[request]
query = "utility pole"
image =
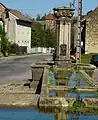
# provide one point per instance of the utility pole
(78, 51)
(0, 45)
(69, 39)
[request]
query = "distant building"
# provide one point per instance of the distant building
(17, 26)
(50, 21)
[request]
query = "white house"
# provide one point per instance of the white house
(17, 26)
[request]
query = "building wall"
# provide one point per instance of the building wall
(10, 28)
(50, 24)
(18, 33)
(23, 35)
(91, 43)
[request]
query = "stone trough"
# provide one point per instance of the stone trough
(35, 92)
(46, 101)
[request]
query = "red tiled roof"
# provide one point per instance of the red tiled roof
(20, 15)
(50, 17)
(17, 13)
(2, 9)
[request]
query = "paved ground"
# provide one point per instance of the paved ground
(18, 68)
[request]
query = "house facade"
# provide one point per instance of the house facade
(17, 26)
(90, 31)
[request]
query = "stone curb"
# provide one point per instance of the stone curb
(15, 57)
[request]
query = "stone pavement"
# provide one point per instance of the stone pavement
(19, 68)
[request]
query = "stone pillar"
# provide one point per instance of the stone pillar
(64, 15)
(65, 36)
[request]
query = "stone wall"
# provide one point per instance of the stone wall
(15, 94)
(87, 68)
(53, 102)
(20, 100)
(91, 102)
(91, 43)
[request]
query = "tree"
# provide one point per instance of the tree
(42, 37)
(50, 38)
(38, 18)
(37, 35)
(14, 48)
(5, 44)
(43, 17)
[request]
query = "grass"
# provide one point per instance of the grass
(85, 58)
(86, 110)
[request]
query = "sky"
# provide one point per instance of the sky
(34, 7)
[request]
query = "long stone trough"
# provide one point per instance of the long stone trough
(46, 101)
(35, 92)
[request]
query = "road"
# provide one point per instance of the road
(18, 68)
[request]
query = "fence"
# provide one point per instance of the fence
(39, 50)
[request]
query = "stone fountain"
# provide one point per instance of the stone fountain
(63, 17)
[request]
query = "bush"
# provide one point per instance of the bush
(5, 44)
(14, 48)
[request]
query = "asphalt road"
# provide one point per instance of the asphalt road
(19, 68)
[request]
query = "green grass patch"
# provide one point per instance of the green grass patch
(86, 110)
(52, 69)
(85, 58)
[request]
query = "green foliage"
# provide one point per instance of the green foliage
(43, 17)
(51, 69)
(50, 38)
(5, 44)
(85, 58)
(74, 20)
(14, 48)
(78, 104)
(38, 17)
(73, 89)
(37, 35)
(41, 37)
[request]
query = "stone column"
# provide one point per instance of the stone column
(65, 36)
(64, 15)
